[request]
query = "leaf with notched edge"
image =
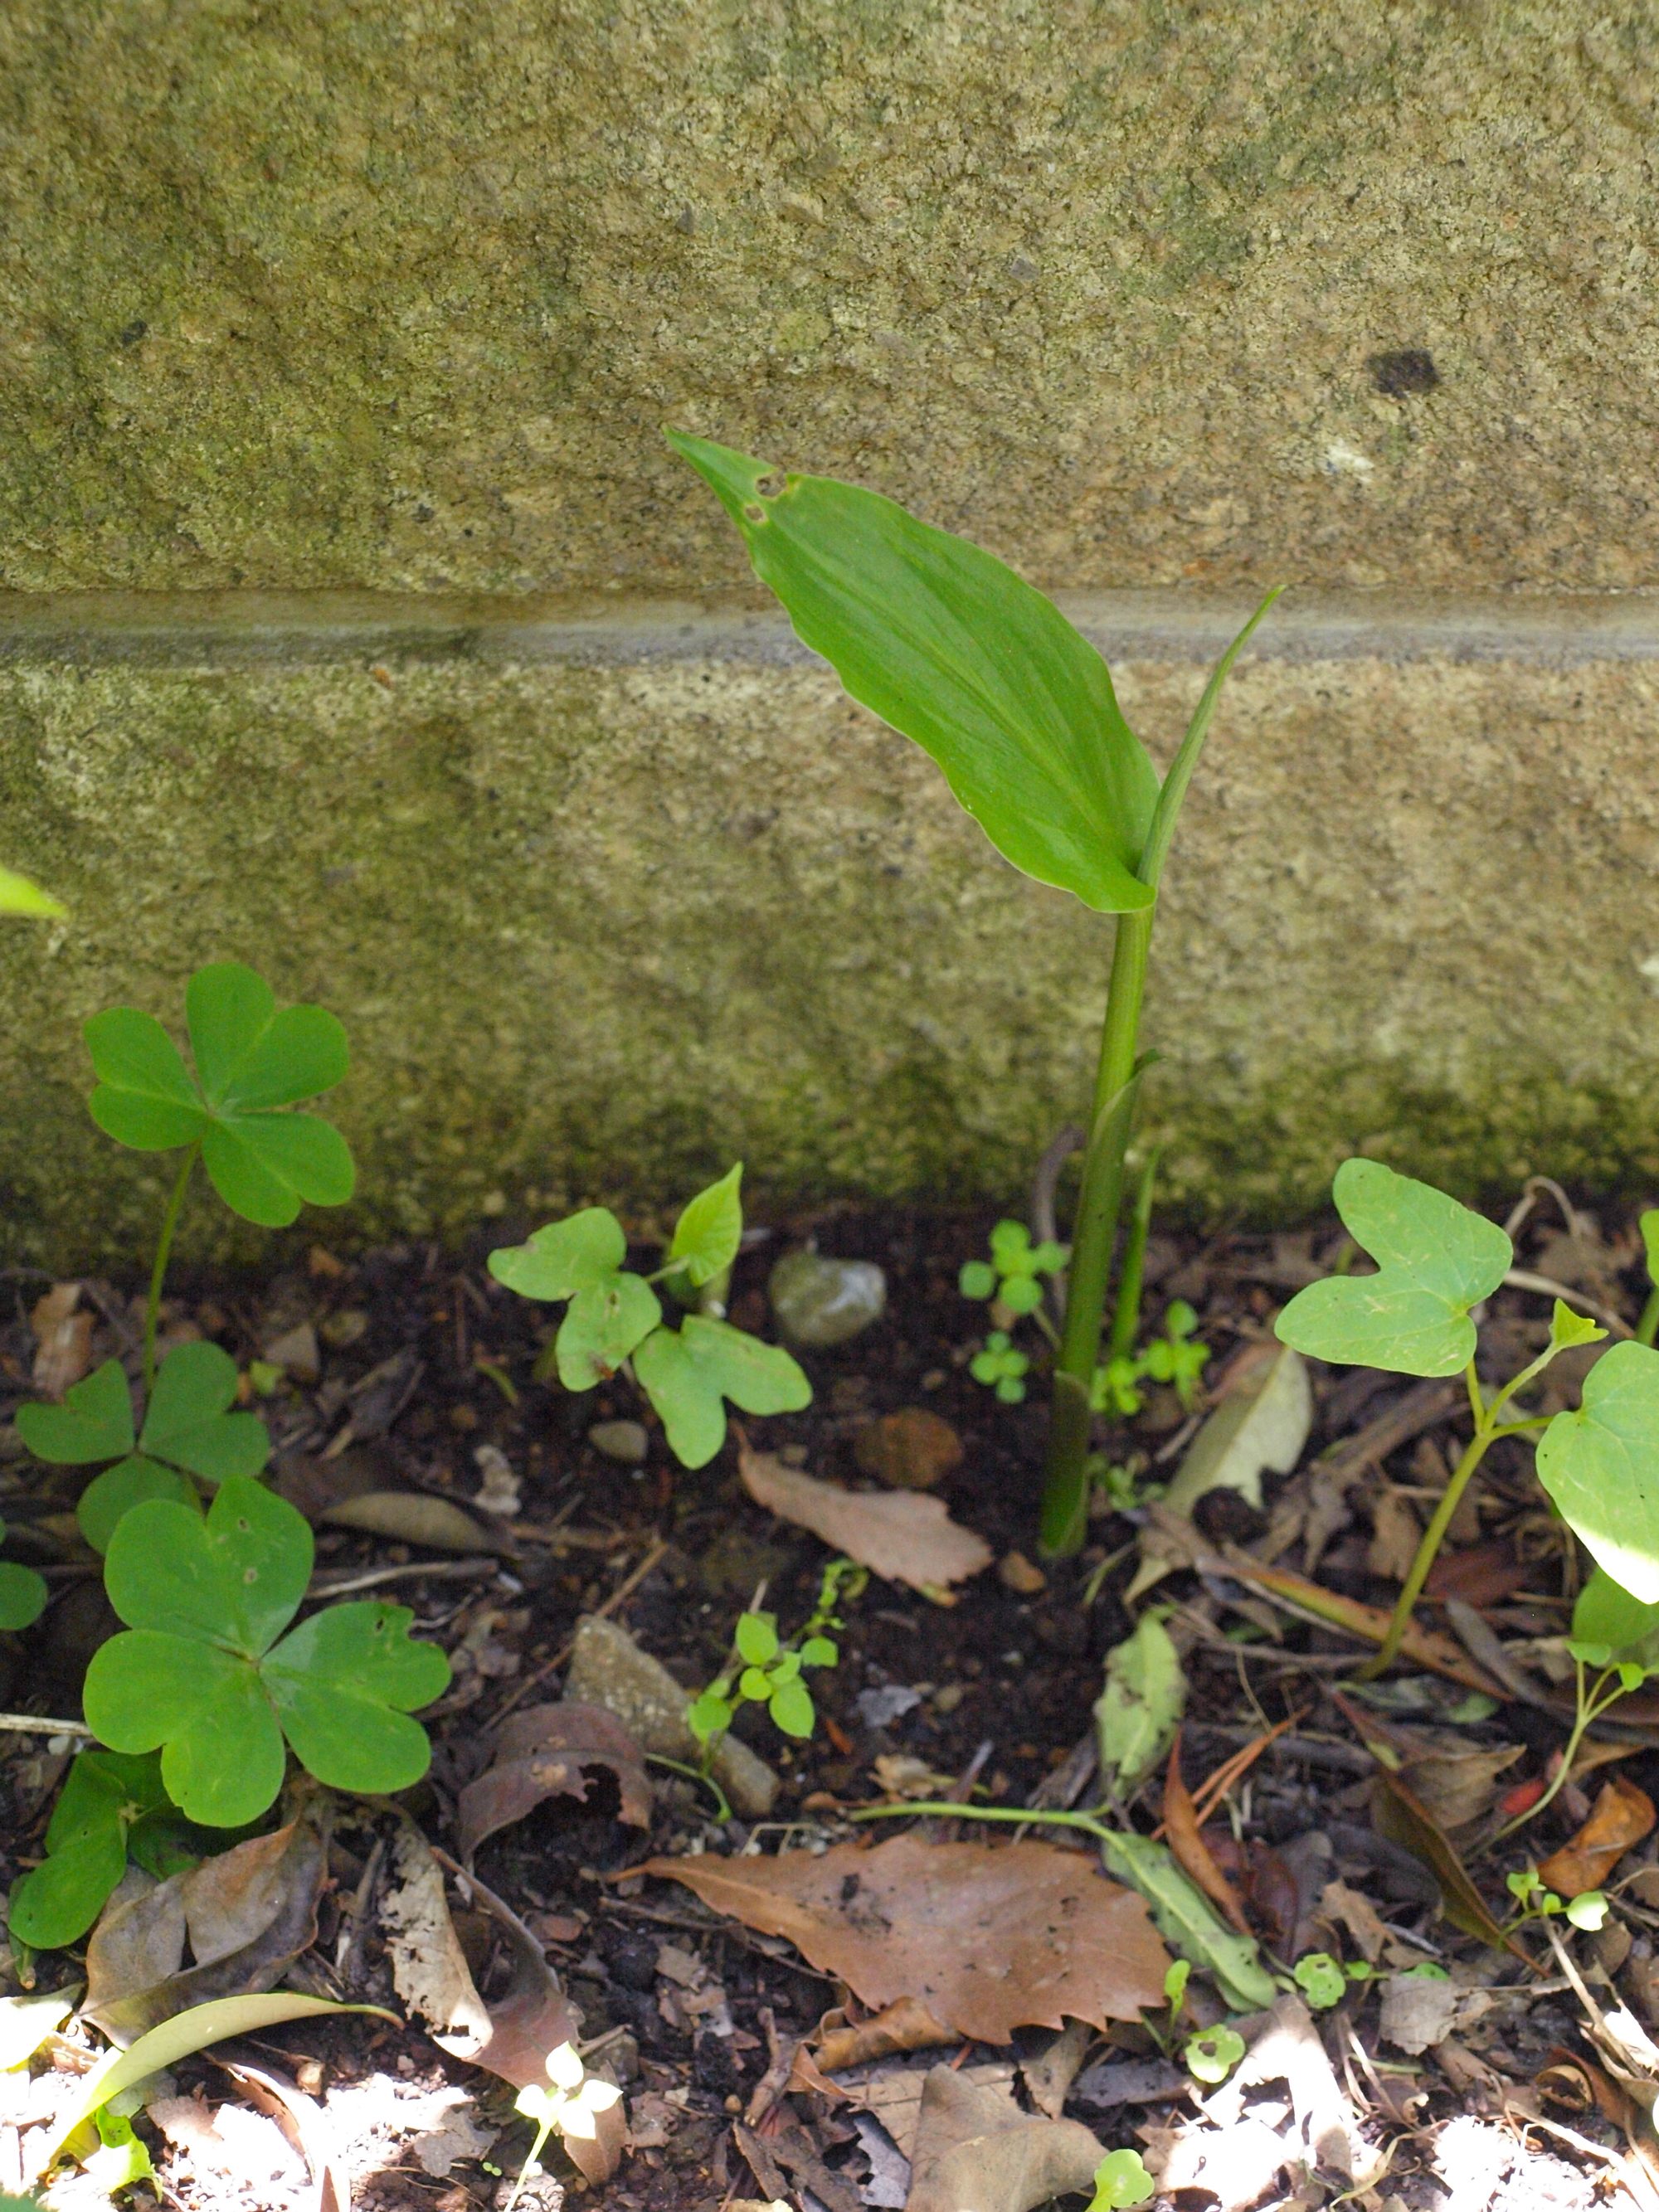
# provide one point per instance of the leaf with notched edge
(550, 1751)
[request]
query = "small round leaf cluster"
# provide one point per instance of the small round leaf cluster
(1002, 1367)
(1013, 1273)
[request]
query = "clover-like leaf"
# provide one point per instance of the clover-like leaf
(252, 1059)
(188, 1423)
(1121, 2180)
(95, 1421)
(1589, 1910)
(977, 1279)
(1601, 1466)
(602, 1324)
(1608, 1624)
(708, 1716)
(22, 1593)
(130, 1482)
(1435, 1260)
(1214, 2052)
(104, 1796)
(708, 1232)
(195, 1674)
(1320, 1979)
(579, 1254)
(687, 1375)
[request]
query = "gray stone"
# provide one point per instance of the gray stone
(608, 1668)
(626, 1441)
(820, 1301)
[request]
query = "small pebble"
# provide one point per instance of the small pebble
(1015, 1572)
(821, 1302)
(625, 1442)
(344, 1328)
(911, 1449)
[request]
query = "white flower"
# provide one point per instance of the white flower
(574, 2101)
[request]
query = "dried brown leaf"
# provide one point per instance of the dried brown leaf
(63, 1337)
(905, 2026)
(904, 1535)
(1399, 1816)
(1623, 1815)
(989, 1939)
(1395, 1535)
(407, 1516)
(975, 2151)
(1459, 1787)
(246, 1914)
(551, 1751)
(1192, 1854)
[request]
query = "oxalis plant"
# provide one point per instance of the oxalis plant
(202, 1696)
(614, 1323)
(952, 649)
(1436, 1262)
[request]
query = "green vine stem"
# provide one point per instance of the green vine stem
(722, 1804)
(158, 1273)
(1589, 1710)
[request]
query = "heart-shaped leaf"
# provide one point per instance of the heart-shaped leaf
(196, 1674)
(1601, 1466)
(601, 1327)
(23, 1592)
(95, 1421)
(104, 1796)
(579, 1253)
(188, 1425)
(1435, 1260)
(688, 1374)
(955, 651)
(130, 1482)
(252, 1060)
(708, 1232)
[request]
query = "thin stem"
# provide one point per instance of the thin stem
(1065, 1497)
(543, 2131)
(1648, 1328)
(1432, 1536)
(1589, 1711)
(696, 1774)
(1125, 1313)
(158, 1274)
(1023, 1816)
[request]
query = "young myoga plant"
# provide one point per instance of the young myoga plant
(613, 1320)
(202, 1696)
(1436, 1262)
(954, 650)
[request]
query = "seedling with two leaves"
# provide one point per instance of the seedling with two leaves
(1534, 1900)
(1436, 1262)
(764, 1670)
(613, 1320)
(952, 649)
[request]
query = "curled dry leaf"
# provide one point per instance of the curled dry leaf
(975, 2151)
(906, 2025)
(1621, 1816)
(246, 1914)
(904, 1535)
(63, 1337)
(1186, 1843)
(550, 1751)
(1399, 1816)
(1262, 1421)
(989, 1940)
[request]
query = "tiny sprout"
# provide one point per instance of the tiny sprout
(1425, 1970)
(764, 1670)
(1174, 1984)
(1011, 1273)
(1214, 2052)
(1120, 2179)
(1320, 1979)
(1174, 1356)
(1588, 1910)
(572, 2105)
(999, 1364)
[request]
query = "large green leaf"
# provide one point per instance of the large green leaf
(1435, 1260)
(687, 1375)
(104, 1794)
(95, 1421)
(1600, 1465)
(194, 1673)
(954, 650)
(252, 1060)
(708, 1232)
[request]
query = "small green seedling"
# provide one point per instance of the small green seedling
(103, 1805)
(23, 1592)
(1016, 708)
(1001, 1367)
(1324, 1980)
(765, 1671)
(1120, 2181)
(1588, 1910)
(613, 1320)
(189, 1431)
(1012, 1276)
(252, 1061)
(1437, 1260)
(1213, 2053)
(570, 2106)
(20, 897)
(200, 1673)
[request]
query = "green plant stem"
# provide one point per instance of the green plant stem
(1065, 1497)
(696, 1774)
(1020, 1816)
(1648, 1328)
(158, 1273)
(543, 2131)
(1589, 1711)
(1125, 1312)
(1487, 1430)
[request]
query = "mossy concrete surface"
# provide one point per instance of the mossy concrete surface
(597, 928)
(396, 292)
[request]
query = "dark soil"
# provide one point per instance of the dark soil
(1008, 1675)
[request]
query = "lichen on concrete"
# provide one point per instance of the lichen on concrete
(348, 292)
(599, 931)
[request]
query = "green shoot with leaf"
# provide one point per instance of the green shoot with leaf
(1121, 2180)
(764, 1670)
(252, 1061)
(613, 1320)
(955, 651)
